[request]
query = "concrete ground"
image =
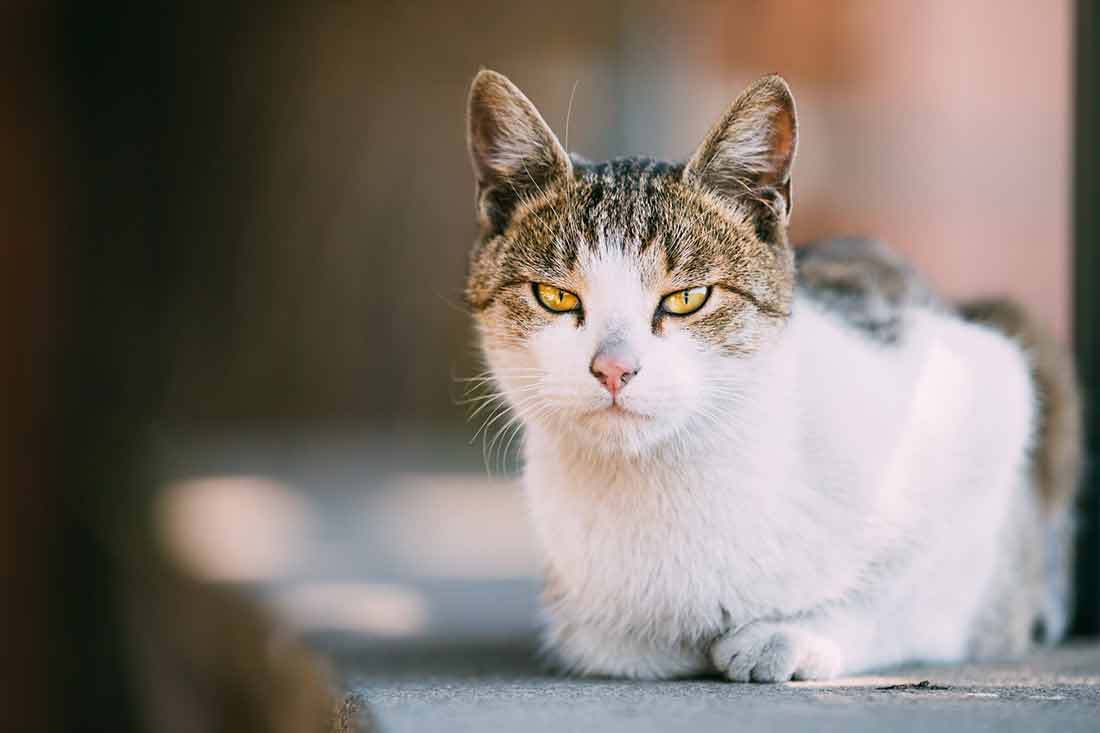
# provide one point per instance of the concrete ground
(500, 687)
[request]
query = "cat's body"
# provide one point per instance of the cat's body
(801, 476)
(867, 486)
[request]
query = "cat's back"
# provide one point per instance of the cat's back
(902, 366)
(1020, 374)
(863, 283)
(873, 292)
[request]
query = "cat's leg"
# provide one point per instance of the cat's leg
(847, 638)
(587, 650)
(766, 651)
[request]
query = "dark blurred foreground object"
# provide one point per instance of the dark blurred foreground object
(1086, 291)
(102, 153)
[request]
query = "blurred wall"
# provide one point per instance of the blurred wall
(337, 166)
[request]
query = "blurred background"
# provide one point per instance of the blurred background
(252, 227)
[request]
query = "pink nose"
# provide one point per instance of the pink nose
(613, 370)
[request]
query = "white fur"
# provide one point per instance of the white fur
(825, 506)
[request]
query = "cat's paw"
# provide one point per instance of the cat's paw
(770, 652)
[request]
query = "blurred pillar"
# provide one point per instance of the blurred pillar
(29, 227)
(1086, 326)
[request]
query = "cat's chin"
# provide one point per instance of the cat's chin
(617, 429)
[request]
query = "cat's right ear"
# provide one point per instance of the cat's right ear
(514, 152)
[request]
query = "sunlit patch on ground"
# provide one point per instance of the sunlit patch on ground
(235, 528)
(375, 609)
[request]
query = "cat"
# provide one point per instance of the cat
(743, 461)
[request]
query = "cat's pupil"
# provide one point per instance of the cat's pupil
(685, 297)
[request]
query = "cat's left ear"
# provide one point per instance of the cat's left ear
(748, 155)
(514, 152)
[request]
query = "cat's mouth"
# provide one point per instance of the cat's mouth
(616, 410)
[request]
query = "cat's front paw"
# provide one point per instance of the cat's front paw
(770, 652)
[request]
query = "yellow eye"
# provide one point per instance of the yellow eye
(683, 302)
(556, 299)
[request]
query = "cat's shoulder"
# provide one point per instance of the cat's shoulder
(864, 283)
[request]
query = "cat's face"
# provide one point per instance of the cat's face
(621, 304)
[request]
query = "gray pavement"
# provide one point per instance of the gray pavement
(499, 686)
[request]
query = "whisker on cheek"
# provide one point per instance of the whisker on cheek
(511, 428)
(499, 412)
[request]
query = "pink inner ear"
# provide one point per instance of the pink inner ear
(782, 145)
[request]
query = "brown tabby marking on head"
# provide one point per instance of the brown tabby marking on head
(680, 236)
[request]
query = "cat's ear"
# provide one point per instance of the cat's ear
(514, 152)
(748, 155)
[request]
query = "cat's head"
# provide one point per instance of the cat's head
(623, 303)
